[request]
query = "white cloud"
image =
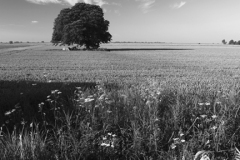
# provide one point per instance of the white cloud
(34, 22)
(178, 5)
(43, 1)
(100, 2)
(70, 2)
(146, 5)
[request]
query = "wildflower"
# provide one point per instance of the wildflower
(218, 102)
(175, 139)
(31, 125)
(214, 127)
(78, 88)
(103, 144)
(34, 84)
(181, 134)
(214, 116)
(173, 146)
(49, 81)
(207, 104)
(21, 93)
(96, 106)
(88, 100)
(104, 138)
(156, 120)
(203, 116)
(48, 96)
(108, 111)
(200, 104)
(114, 135)
(7, 113)
(59, 92)
(183, 140)
(109, 134)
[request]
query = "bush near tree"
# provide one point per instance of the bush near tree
(83, 24)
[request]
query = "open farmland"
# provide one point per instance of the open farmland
(7, 46)
(170, 104)
(210, 63)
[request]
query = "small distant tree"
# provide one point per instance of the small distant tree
(83, 24)
(10, 42)
(224, 41)
(42, 41)
(231, 42)
(238, 43)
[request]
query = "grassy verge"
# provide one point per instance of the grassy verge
(151, 120)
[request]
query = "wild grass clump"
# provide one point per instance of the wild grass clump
(151, 120)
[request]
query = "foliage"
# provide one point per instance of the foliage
(83, 24)
(10, 42)
(145, 121)
(224, 41)
(234, 42)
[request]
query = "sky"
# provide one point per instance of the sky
(175, 21)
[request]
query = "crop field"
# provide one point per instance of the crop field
(179, 101)
(210, 63)
(7, 46)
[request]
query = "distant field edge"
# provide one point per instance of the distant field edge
(125, 49)
(141, 49)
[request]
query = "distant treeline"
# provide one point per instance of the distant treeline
(231, 42)
(134, 42)
(11, 42)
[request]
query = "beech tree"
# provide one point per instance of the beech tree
(83, 24)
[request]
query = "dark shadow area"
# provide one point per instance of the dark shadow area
(143, 49)
(123, 49)
(25, 96)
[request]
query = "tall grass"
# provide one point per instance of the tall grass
(151, 120)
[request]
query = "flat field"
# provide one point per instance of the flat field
(217, 63)
(169, 102)
(16, 45)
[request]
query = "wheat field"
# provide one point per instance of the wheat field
(180, 101)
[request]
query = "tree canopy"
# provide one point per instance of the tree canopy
(83, 24)
(224, 41)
